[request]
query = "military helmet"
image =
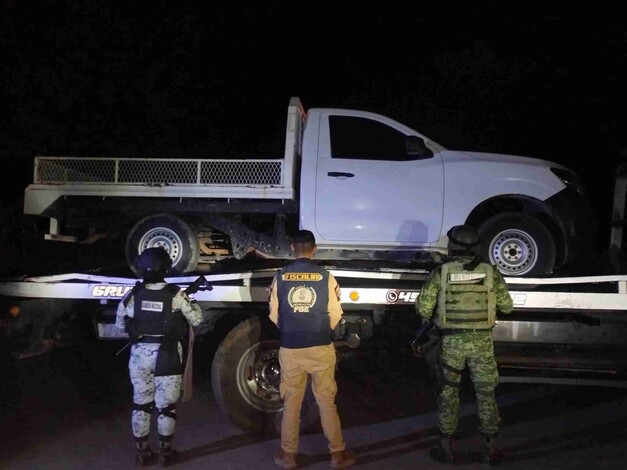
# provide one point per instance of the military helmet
(462, 238)
(154, 259)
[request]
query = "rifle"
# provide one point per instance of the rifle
(428, 344)
(422, 336)
(198, 284)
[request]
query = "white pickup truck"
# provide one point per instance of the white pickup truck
(367, 186)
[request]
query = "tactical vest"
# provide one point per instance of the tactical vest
(467, 299)
(303, 292)
(153, 315)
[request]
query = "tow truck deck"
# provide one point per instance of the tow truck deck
(562, 330)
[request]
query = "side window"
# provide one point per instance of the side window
(365, 139)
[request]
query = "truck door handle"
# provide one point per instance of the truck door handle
(340, 173)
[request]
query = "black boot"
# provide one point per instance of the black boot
(167, 455)
(145, 456)
(443, 452)
(489, 453)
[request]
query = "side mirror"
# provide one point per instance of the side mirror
(415, 146)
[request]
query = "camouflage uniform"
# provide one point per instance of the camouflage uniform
(148, 389)
(466, 303)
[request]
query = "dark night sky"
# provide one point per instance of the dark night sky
(167, 79)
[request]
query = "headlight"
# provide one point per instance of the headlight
(570, 179)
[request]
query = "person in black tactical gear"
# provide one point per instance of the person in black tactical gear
(156, 315)
(466, 293)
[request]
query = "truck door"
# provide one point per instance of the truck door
(368, 189)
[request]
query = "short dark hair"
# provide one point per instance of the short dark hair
(304, 237)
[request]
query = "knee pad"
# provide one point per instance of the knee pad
(169, 411)
(146, 407)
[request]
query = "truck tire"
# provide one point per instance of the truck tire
(245, 377)
(170, 232)
(518, 244)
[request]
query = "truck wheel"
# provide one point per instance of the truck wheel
(170, 232)
(518, 244)
(245, 377)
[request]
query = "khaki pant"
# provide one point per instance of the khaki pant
(319, 362)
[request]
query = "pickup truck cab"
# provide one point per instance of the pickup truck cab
(367, 186)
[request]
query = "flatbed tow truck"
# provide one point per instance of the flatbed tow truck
(569, 330)
(563, 330)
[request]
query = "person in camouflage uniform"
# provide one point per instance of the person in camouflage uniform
(156, 315)
(465, 293)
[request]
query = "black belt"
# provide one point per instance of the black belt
(457, 331)
(150, 339)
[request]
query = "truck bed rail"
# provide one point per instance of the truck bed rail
(156, 171)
